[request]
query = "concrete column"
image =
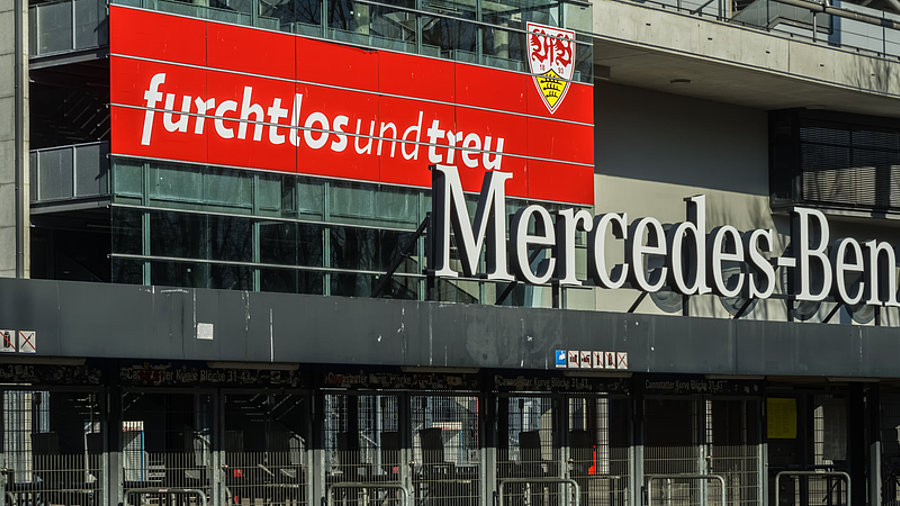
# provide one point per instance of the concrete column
(14, 138)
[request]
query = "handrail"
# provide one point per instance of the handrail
(683, 476)
(703, 6)
(366, 484)
(834, 474)
(565, 481)
(171, 490)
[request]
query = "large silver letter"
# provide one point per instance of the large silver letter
(804, 252)
(568, 221)
(521, 239)
(696, 270)
(882, 274)
(448, 206)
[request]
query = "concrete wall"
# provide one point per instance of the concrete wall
(654, 149)
(705, 39)
(8, 136)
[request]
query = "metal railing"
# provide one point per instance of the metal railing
(193, 492)
(501, 486)
(834, 23)
(818, 474)
(329, 494)
(70, 172)
(649, 478)
(68, 25)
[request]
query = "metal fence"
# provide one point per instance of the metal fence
(53, 463)
(379, 448)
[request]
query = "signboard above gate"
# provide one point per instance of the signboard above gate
(204, 92)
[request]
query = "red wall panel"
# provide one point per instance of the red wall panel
(336, 96)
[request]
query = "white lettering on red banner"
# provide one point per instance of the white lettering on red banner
(225, 95)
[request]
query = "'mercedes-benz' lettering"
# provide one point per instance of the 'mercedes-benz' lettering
(685, 258)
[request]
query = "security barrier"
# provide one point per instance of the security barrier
(366, 488)
(548, 481)
(829, 491)
(650, 478)
(171, 495)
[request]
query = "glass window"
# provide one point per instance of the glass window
(392, 28)
(169, 182)
(367, 285)
(230, 277)
(290, 243)
(397, 204)
(517, 13)
(177, 234)
(311, 198)
(276, 195)
(127, 271)
(126, 231)
(348, 19)
(454, 38)
(296, 16)
(227, 188)
(465, 292)
(352, 200)
(127, 177)
(372, 249)
(290, 281)
(183, 274)
(230, 238)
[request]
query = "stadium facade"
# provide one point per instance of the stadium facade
(450, 252)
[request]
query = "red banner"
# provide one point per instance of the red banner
(205, 92)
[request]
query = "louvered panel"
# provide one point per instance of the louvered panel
(867, 187)
(876, 139)
(875, 176)
(895, 186)
(832, 186)
(816, 157)
(825, 135)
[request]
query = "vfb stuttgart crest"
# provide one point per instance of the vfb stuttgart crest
(551, 56)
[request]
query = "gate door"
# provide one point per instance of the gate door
(598, 449)
(447, 466)
(166, 442)
(53, 444)
(528, 454)
(266, 442)
(362, 449)
(733, 434)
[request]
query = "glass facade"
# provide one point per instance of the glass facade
(471, 31)
(208, 227)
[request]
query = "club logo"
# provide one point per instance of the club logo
(551, 57)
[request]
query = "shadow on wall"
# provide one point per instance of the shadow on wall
(874, 74)
(654, 136)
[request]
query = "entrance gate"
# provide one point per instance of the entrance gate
(691, 436)
(53, 442)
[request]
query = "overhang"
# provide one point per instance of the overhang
(688, 55)
(95, 320)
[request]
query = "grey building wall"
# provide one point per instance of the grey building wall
(8, 136)
(654, 149)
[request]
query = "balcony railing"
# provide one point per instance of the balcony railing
(70, 25)
(835, 23)
(66, 173)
